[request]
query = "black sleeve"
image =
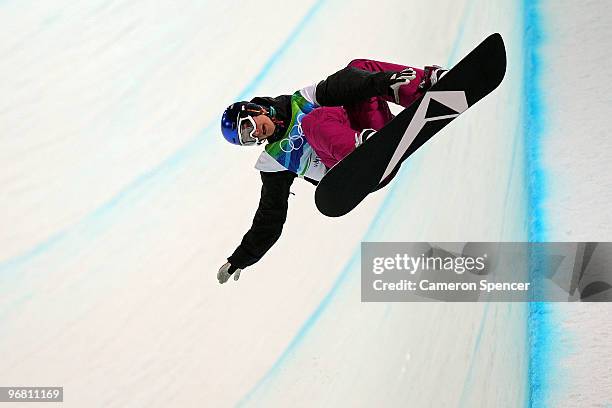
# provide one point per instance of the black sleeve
(350, 85)
(281, 103)
(268, 221)
(269, 101)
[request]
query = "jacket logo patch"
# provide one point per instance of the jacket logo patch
(295, 140)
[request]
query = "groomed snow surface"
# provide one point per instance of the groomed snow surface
(120, 200)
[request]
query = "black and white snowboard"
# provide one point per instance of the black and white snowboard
(373, 164)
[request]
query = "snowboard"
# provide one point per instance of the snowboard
(374, 163)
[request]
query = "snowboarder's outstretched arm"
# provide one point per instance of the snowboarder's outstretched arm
(268, 221)
(351, 84)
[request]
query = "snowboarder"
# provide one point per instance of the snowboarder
(309, 132)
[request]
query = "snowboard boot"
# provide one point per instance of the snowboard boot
(433, 73)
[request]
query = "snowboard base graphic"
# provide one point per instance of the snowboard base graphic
(372, 165)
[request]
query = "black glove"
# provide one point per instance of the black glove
(400, 79)
(363, 136)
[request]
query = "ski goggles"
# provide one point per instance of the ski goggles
(246, 124)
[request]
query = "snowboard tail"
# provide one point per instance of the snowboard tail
(372, 165)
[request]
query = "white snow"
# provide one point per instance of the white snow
(120, 200)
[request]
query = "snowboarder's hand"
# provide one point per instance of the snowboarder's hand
(400, 79)
(226, 271)
(363, 136)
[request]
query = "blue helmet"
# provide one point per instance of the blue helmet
(237, 124)
(229, 123)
